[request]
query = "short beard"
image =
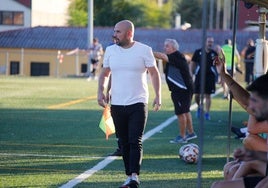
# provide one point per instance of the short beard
(260, 119)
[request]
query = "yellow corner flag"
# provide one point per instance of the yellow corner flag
(106, 123)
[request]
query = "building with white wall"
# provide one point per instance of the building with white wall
(16, 14)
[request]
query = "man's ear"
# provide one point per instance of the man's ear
(129, 34)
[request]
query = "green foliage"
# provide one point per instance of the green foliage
(157, 17)
(191, 12)
(107, 13)
(78, 13)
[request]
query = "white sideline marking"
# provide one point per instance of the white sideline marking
(89, 172)
(44, 155)
(110, 159)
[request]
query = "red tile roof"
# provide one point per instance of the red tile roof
(27, 3)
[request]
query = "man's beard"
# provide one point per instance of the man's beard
(122, 43)
(260, 119)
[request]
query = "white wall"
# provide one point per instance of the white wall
(50, 12)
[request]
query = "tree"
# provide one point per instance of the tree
(108, 12)
(78, 13)
(191, 12)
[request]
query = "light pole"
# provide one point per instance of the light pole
(90, 4)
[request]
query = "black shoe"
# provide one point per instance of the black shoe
(133, 184)
(116, 153)
(238, 132)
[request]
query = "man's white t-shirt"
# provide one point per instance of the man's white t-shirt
(129, 72)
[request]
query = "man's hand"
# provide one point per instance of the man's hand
(242, 154)
(156, 105)
(102, 100)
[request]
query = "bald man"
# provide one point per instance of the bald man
(129, 61)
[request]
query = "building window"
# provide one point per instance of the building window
(14, 67)
(83, 68)
(39, 69)
(11, 18)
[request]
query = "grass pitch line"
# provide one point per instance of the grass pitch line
(71, 102)
(89, 172)
(50, 156)
(110, 159)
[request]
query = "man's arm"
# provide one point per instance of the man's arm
(239, 93)
(156, 81)
(108, 91)
(192, 67)
(243, 154)
(160, 55)
(102, 84)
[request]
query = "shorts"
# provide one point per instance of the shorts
(182, 101)
(94, 61)
(252, 181)
(210, 85)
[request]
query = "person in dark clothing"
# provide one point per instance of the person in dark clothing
(249, 54)
(211, 76)
(180, 84)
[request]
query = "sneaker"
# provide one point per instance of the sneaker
(190, 136)
(207, 116)
(134, 183)
(178, 140)
(131, 182)
(116, 153)
(127, 181)
(238, 133)
(198, 112)
(134, 180)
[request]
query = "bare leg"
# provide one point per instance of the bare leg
(208, 103)
(189, 123)
(182, 121)
(255, 142)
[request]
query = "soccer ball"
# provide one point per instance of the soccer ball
(186, 147)
(189, 153)
(182, 148)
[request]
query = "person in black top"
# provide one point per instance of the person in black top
(180, 84)
(249, 54)
(211, 76)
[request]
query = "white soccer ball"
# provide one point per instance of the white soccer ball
(190, 153)
(182, 148)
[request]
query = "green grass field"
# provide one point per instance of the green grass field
(49, 135)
